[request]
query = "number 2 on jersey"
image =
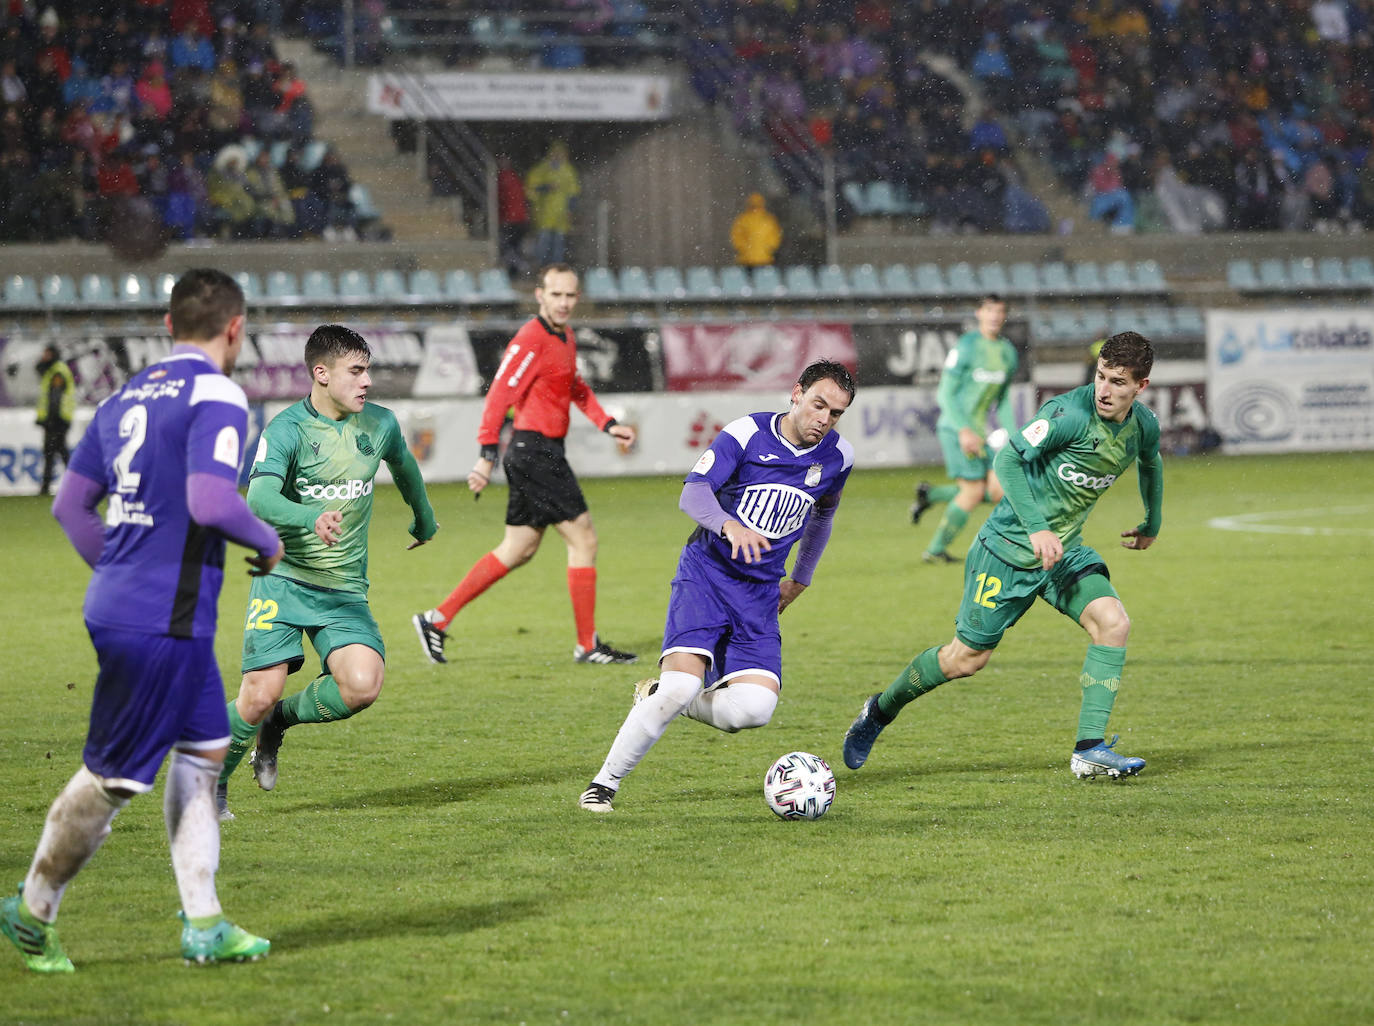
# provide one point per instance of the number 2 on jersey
(134, 427)
(988, 587)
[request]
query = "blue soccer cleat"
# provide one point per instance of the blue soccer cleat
(1101, 760)
(858, 740)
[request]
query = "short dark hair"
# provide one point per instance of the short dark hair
(835, 371)
(202, 304)
(548, 269)
(1130, 351)
(328, 342)
(992, 297)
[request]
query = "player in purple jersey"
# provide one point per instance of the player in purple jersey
(769, 481)
(164, 452)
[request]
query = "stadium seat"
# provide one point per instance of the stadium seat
(1331, 274)
(1149, 278)
(702, 283)
(635, 283)
(598, 285)
(734, 283)
(134, 290)
(1064, 326)
(316, 286)
(1125, 318)
(1240, 275)
(313, 154)
(1360, 272)
(1157, 322)
(493, 286)
(993, 278)
(1087, 278)
(962, 280)
(1023, 279)
(864, 281)
(800, 282)
(929, 281)
(768, 281)
(390, 286)
(1117, 279)
(832, 281)
(459, 286)
(279, 151)
(1055, 280)
(897, 280)
(1041, 328)
(59, 290)
(1188, 320)
(854, 194)
(1273, 275)
(884, 200)
(1302, 272)
(363, 207)
(354, 286)
(20, 291)
(96, 290)
(281, 287)
(1094, 323)
(163, 283)
(424, 286)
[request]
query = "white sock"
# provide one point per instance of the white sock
(645, 725)
(193, 831)
(78, 823)
(736, 706)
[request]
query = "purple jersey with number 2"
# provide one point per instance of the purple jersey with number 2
(159, 571)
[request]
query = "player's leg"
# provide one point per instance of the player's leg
(747, 670)
(994, 491)
(744, 702)
(967, 498)
(259, 692)
(579, 534)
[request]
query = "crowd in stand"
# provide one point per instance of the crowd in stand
(181, 108)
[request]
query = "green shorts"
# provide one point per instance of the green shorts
(957, 465)
(996, 594)
(280, 610)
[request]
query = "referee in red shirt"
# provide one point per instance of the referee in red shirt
(538, 377)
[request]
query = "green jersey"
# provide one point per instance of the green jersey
(977, 378)
(323, 465)
(1055, 468)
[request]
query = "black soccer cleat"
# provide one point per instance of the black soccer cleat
(922, 502)
(432, 637)
(264, 757)
(939, 557)
(597, 798)
(601, 652)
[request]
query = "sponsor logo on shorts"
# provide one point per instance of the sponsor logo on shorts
(1068, 472)
(773, 510)
(332, 490)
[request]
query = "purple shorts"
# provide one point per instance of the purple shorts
(730, 621)
(152, 692)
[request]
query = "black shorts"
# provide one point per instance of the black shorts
(543, 490)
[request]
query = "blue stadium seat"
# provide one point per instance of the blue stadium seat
(1065, 326)
(1240, 275)
(1331, 274)
(1055, 280)
(635, 283)
(768, 281)
(1041, 327)
(1117, 279)
(134, 290)
(800, 281)
(832, 281)
(864, 281)
(317, 286)
(1149, 278)
(1302, 272)
(856, 197)
(20, 291)
(1024, 280)
(962, 281)
(354, 286)
(884, 199)
(247, 281)
(59, 290)
(363, 207)
(313, 154)
(1188, 320)
(281, 287)
(897, 280)
(929, 281)
(459, 286)
(279, 150)
(390, 286)
(701, 283)
(599, 285)
(734, 283)
(1157, 322)
(1095, 323)
(1087, 278)
(493, 286)
(96, 290)
(424, 286)
(993, 278)
(1273, 275)
(1360, 272)
(1125, 318)
(162, 288)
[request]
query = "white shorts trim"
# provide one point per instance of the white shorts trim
(204, 746)
(755, 672)
(120, 784)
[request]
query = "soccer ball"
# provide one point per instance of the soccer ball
(799, 786)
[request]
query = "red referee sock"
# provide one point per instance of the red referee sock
(582, 590)
(484, 573)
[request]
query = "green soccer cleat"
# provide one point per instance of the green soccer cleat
(223, 942)
(36, 940)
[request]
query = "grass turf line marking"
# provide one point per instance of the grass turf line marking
(1257, 523)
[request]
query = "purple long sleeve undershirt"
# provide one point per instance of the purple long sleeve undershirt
(698, 501)
(211, 500)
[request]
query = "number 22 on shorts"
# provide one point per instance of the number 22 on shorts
(261, 613)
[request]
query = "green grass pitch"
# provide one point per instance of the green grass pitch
(425, 862)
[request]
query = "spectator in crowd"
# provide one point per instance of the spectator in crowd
(187, 203)
(272, 206)
(513, 212)
(231, 204)
(755, 233)
(307, 208)
(330, 182)
(1108, 197)
(154, 94)
(56, 406)
(552, 187)
(191, 50)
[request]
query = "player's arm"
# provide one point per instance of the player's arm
(1150, 474)
(1010, 465)
(513, 379)
(950, 398)
(406, 473)
(814, 537)
(1006, 416)
(272, 467)
(74, 507)
(708, 475)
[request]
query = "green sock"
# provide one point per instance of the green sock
(950, 525)
(922, 674)
(1101, 678)
(943, 493)
(241, 735)
(318, 702)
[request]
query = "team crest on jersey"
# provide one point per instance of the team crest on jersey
(705, 463)
(365, 446)
(1036, 431)
(813, 475)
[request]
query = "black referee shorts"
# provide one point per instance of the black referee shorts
(543, 490)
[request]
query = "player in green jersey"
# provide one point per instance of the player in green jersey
(976, 381)
(312, 480)
(1053, 470)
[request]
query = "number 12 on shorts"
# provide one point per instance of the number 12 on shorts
(988, 587)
